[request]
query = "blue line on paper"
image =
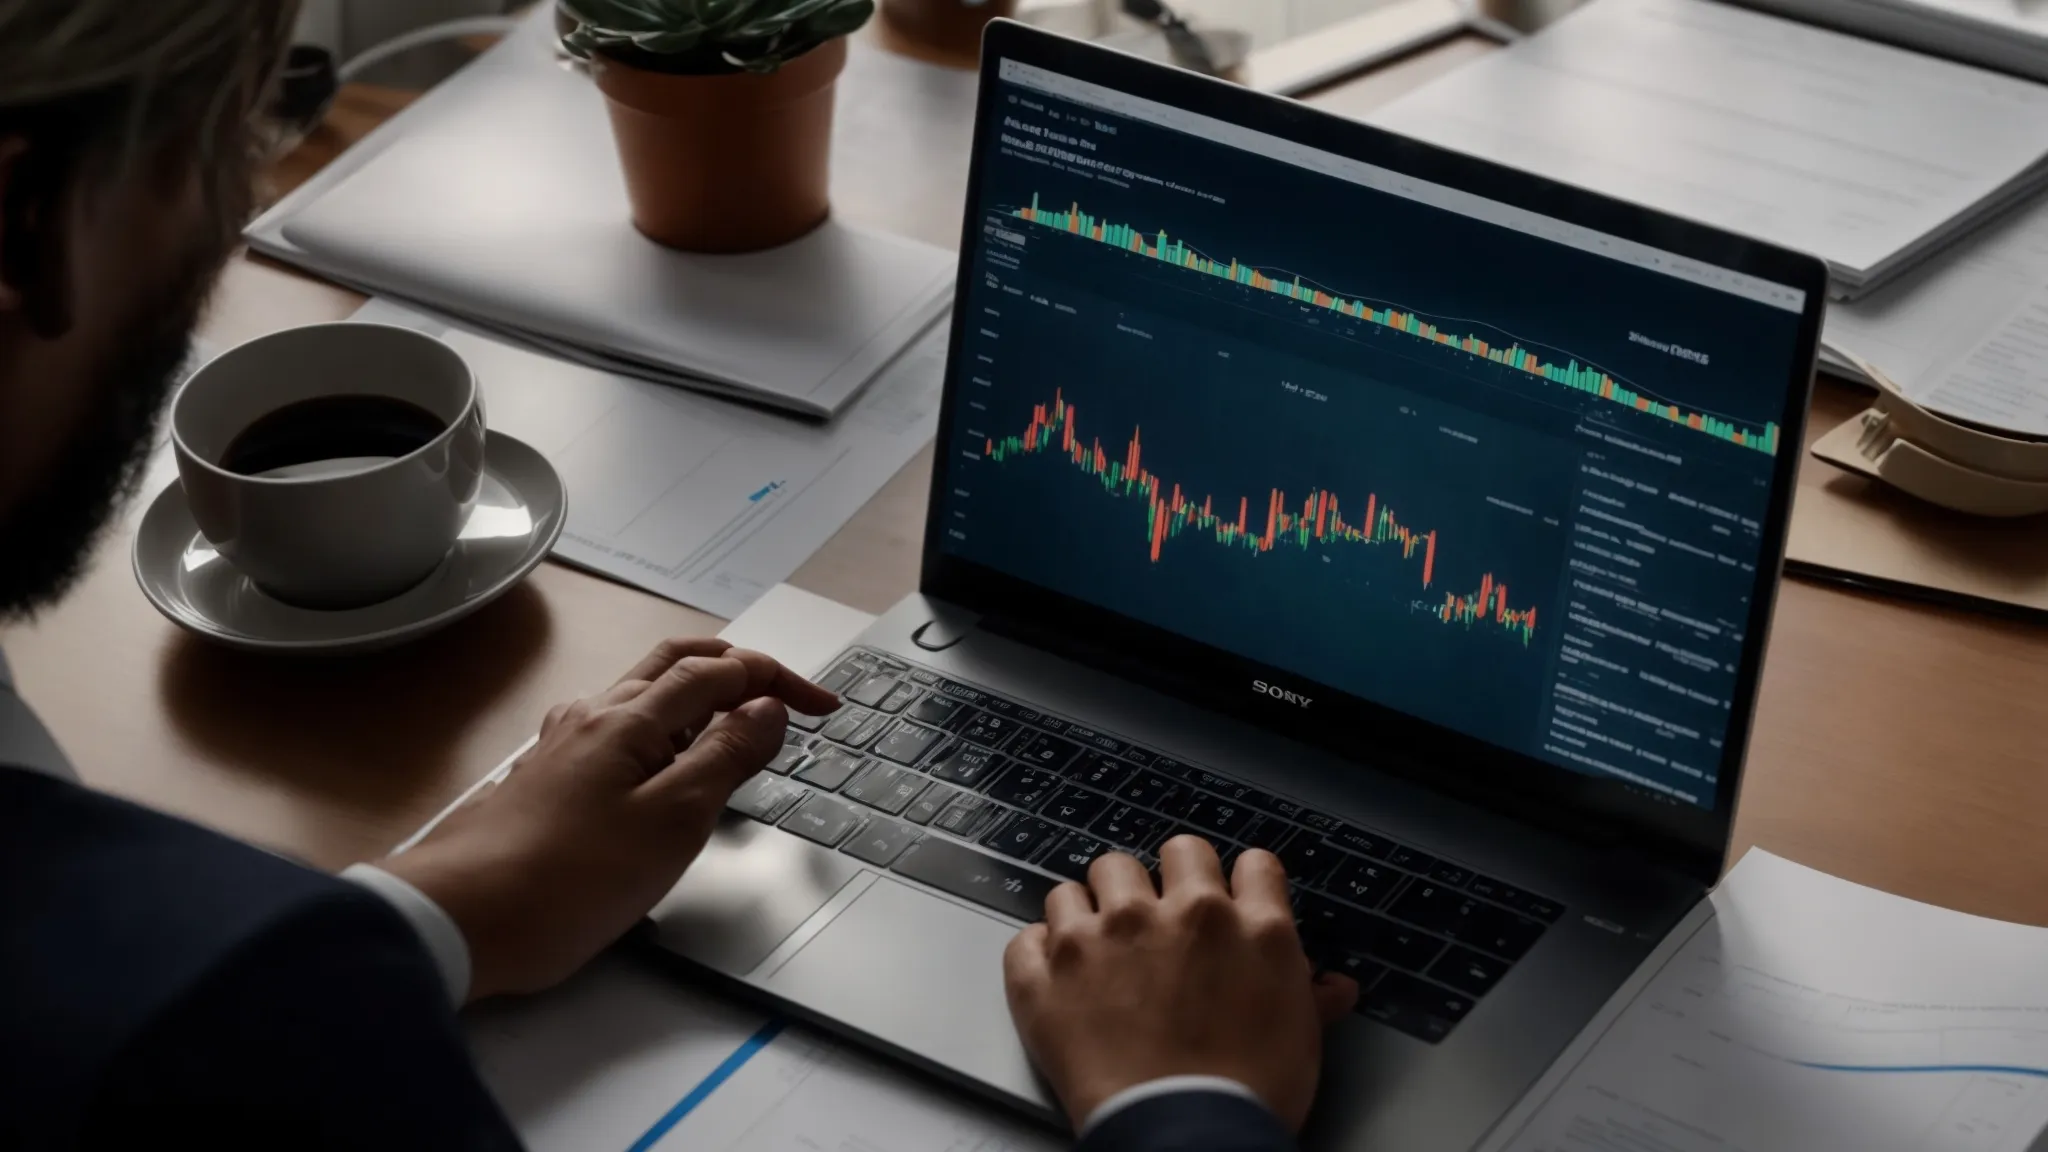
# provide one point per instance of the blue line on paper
(757, 497)
(1994, 1069)
(719, 1075)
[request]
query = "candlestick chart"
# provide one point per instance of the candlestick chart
(1173, 513)
(1571, 374)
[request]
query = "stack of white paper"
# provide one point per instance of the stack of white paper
(2009, 35)
(498, 198)
(1869, 156)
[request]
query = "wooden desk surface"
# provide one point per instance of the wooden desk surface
(1899, 745)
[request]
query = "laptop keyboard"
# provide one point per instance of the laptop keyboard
(996, 803)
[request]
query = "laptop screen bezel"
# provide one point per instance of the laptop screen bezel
(1686, 837)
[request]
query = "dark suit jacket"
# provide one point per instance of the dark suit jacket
(164, 986)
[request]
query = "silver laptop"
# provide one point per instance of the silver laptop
(1310, 489)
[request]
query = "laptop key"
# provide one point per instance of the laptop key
(1362, 882)
(1416, 1007)
(845, 723)
(967, 814)
(823, 819)
(1021, 836)
(845, 674)
(1138, 756)
(900, 699)
(787, 760)
(1099, 772)
(1074, 806)
(803, 723)
(937, 710)
(1023, 786)
(1265, 832)
(1468, 971)
(966, 765)
(1307, 857)
(962, 692)
(1073, 856)
(1363, 970)
(1219, 817)
(930, 803)
(881, 842)
(907, 743)
(1094, 741)
(988, 729)
(1126, 827)
(1049, 752)
(1397, 944)
(1402, 856)
(872, 690)
(1362, 842)
(764, 798)
(1147, 788)
(1527, 903)
(1469, 921)
(1450, 875)
(886, 787)
(832, 768)
(928, 679)
(993, 883)
(869, 730)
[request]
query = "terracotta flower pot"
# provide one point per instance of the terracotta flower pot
(726, 163)
(952, 26)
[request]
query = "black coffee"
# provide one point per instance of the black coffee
(331, 428)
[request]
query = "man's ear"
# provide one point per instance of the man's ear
(12, 148)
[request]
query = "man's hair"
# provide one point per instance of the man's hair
(108, 89)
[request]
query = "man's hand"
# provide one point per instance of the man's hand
(598, 821)
(1123, 984)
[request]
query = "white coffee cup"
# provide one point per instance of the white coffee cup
(343, 532)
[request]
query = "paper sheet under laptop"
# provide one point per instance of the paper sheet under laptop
(498, 198)
(1865, 155)
(1795, 1012)
(698, 499)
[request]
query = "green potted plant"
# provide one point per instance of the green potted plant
(722, 110)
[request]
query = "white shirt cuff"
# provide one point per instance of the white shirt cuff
(1164, 1086)
(443, 940)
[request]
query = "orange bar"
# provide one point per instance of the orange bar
(1501, 591)
(1272, 515)
(1372, 502)
(1176, 499)
(1322, 512)
(991, 449)
(1429, 561)
(1070, 430)
(1642, 405)
(1485, 591)
(1158, 528)
(1244, 505)
(1207, 515)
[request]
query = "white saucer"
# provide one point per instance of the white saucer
(518, 516)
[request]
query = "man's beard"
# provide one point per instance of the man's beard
(45, 542)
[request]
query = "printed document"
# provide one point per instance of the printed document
(702, 500)
(1795, 1012)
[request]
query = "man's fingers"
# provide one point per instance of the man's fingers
(1025, 970)
(684, 698)
(1117, 879)
(1188, 864)
(1067, 905)
(1259, 878)
(733, 748)
(1335, 996)
(766, 676)
(670, 652)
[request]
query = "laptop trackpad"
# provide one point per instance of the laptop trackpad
(919, 973)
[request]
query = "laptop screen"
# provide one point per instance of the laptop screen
(1494, 470)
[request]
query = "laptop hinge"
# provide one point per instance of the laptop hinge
(947, 627)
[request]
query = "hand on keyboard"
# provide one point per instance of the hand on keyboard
(602, 816)
(1123, 984)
